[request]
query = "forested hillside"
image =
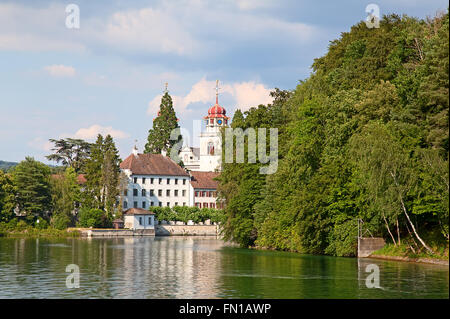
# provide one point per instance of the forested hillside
(364, 137)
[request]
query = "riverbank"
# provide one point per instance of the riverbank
(403, 253)
(31, 232)
(433, 261)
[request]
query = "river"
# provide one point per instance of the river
(199, 267)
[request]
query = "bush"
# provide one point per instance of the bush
(42, 224)
(91, 218)
(60, 221)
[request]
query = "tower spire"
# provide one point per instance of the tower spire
(217, 91)
(165, 87)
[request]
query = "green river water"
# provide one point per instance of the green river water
(199, 267)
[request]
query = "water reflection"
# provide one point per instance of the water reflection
(199, 267)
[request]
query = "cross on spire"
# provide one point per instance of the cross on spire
(217, 91)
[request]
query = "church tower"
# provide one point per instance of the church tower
(210, 140)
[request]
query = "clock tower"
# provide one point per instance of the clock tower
(210, 140)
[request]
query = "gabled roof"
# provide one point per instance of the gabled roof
(204, 179)
(152, 164)
(138, 211)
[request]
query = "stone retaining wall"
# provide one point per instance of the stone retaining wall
(366, 246)
(116, 232)
(187, 230)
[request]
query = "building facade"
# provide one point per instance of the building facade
(154, 180)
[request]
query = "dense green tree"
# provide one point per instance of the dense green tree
(70, 152)
(31, 180)
(102, 175)
(364, 138)
(7, 196)
(66, 196)
(159, 137)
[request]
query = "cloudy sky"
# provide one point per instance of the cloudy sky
(108, 75)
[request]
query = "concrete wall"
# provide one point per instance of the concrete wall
(116, 232)
(367, 246)
(187, 230)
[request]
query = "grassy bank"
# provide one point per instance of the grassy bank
(24, 230)
(402, 250)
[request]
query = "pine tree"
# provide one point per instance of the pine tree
(159, 136)
(103, 175)
(31, 181)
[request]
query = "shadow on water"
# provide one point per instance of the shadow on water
(199, 267)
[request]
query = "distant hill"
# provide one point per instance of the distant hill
(5, 166)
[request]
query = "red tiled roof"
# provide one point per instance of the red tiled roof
(152, 164)
(204, 180)
(138, 211)
(81, 178)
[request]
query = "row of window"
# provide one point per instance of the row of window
(205, 194)
(152, 180)
(152, 192)
(141, 219)
(144, 204)
(206, 205)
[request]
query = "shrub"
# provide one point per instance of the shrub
(91, 217)
(60, 221)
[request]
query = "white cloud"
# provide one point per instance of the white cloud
(149, 30)
(59, 70)
(246, 95)
(91, 132)
(41, 144)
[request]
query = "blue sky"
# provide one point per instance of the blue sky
(108, 75)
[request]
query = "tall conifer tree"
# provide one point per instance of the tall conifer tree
(159, 136)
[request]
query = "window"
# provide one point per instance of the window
(208, 194)
(143, 192)
(135, 180)
(159, 192)
(184, 204)
(152, 193)
(135, 192)
(125, 192)
(211, 148)
(176, 181)
(160, 204)
(197, 204)
(168, 181)
(183, 192)
(168, 192)
(125, 204)
(149, 220)
(135, 204)
(184, 181)
(176, 203)
(143, 180)
(196, 194)
(152, 203)
(159, 180)
(140, 220)
(176, 192)
(212, 205)
(168, 204)
(151, 180)
(143, 204)
(204, 194)
(205, 205)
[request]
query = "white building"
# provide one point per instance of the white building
(138, 218)
(207, 158)
(154, 180)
